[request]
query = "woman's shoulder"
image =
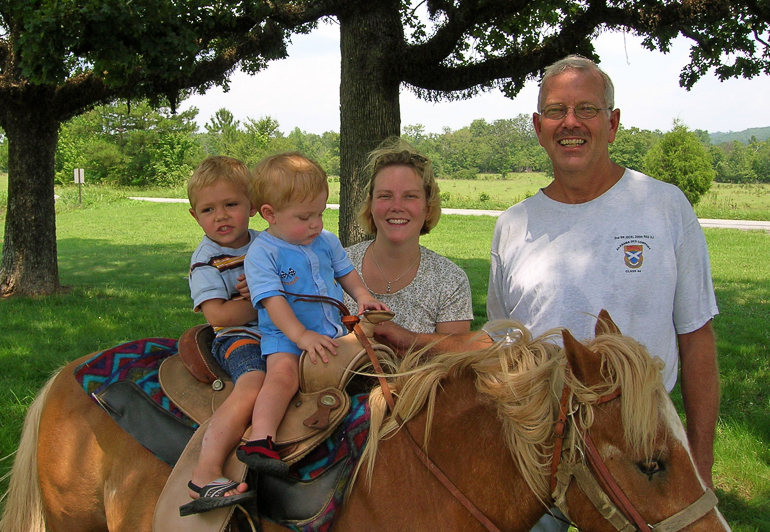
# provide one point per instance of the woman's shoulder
(440, 272)
(438, 261)
(361, 246)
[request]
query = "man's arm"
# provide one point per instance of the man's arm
(700, 392)
(453, 327)
(403, 340)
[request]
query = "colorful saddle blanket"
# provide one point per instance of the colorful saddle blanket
(138, 363)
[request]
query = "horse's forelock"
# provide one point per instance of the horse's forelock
(627, 366)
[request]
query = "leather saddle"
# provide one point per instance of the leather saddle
(194, 381)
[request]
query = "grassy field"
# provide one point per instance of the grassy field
(125, 265)
(489, 192)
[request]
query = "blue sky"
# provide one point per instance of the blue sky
(303, 91)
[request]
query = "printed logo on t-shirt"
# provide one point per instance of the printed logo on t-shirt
(633, 248)
(289, 278)
(634, 255)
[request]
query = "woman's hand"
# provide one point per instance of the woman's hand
(393, 334)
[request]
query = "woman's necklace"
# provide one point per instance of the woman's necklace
(387, 288)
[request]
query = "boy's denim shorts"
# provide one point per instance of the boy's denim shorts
(238, 355)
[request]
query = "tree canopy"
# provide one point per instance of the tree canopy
(59, 59)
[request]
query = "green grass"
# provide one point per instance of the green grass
(125, 265)
(489, 192)
(723, 201)
(735, 202)
(3, 193)
(741, 272)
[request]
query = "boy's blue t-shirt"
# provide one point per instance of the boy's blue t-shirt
(272, 265)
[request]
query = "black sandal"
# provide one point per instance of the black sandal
(212, 496)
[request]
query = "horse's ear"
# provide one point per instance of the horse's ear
(605, 325)
(586, 365)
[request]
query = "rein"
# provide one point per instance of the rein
(429, 464)
(598, 484)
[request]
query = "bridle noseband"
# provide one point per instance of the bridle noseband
(598, 484)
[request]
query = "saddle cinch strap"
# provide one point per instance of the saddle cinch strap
(193, 380)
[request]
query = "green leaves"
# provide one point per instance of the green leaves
(680, 159)
(137, 147)
(139, 45)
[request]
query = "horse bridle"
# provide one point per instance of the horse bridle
(598, 484)
(595, 481)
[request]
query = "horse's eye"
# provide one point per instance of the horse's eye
(650, 467)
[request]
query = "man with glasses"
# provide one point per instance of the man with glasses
(603, 236)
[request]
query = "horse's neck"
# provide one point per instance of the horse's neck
(467, 444)
(468, 438)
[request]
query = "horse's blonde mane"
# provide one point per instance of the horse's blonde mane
(523, 378)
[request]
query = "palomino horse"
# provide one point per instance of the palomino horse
(487, 419)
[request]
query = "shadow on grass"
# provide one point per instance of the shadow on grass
(743, 344)
(743, 516)
(99, 263)
(115, 293)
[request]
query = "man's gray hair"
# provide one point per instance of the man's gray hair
(577, 62)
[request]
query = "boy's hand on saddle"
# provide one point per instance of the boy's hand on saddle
(370, 304)
(316, 345)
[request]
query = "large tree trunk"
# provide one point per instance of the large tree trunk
(370, 39)
(29, 265)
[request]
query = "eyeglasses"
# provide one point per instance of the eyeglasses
(583, 111)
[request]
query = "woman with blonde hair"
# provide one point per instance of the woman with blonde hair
(428, 292)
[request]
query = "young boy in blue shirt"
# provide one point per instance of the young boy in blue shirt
(295, 255)
(220, 199)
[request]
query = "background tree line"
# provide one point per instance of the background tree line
(135, 145)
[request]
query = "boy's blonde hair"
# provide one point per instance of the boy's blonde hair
(215, 169)
(287, 178)
(395, 151)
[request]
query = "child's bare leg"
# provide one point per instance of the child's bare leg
(225, 430)
(281, 383)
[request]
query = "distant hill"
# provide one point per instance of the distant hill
(762, 134)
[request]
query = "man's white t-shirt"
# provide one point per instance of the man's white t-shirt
(637, 251)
